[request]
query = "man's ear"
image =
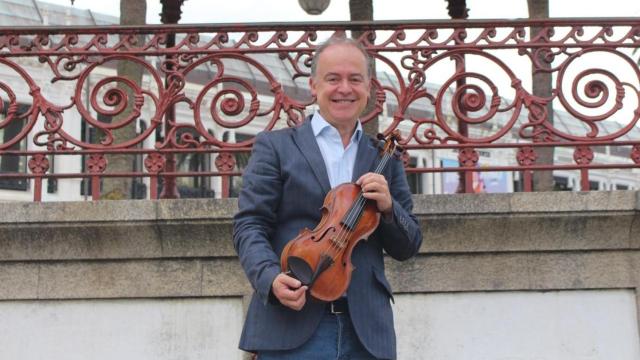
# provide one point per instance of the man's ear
(312, 86)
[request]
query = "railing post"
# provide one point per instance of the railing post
(527, 180)
(459, 11)
(583, 155)
(584, 180)
(527, 156)
(154, 163)
(96, 164)
(467, 158)
(465, 177)
(225, 162)
(170, 15)
(38, 164)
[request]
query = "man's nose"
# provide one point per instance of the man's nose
(344, 85)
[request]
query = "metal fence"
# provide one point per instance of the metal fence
(457, 86)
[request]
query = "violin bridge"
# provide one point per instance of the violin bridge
(339, 244)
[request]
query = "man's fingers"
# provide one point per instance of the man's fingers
(375, 187)
(302, 290)
(293, 293)
(370, 179)
(289, 291)
(296, 298)
(298, 293)
(289, 281)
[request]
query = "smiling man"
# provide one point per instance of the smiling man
(340, 82)
(284, 186)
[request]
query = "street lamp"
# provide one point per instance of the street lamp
(314, 7)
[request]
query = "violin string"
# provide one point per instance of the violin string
(351, 220)
(359, 208)
(356, 210)
(354, 214)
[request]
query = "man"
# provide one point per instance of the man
(284, 186)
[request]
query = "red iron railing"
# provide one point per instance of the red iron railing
(461, 87)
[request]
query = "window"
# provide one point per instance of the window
(193, 186)
(561, 183)
(599, 149)
(52, 183)
(621, 151)
(622, 187)
(188, 186)
(518, 181)
(89, 135)
(242, 160)
(414, 179)
(138, 187)
(13, 164)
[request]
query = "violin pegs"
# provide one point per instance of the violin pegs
(397, 153)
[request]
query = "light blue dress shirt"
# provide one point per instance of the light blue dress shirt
(338, 159)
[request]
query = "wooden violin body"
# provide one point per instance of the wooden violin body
(330, 244)
(321, 258)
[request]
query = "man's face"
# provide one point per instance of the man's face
(341, 84)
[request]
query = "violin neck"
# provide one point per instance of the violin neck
(352, 216)
(383, 163)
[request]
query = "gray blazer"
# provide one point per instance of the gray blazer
(284, 186)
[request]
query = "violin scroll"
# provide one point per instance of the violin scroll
(389, 144)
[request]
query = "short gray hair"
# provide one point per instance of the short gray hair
(341, 39)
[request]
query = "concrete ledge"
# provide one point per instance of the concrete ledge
(196, 228)
(516, 271)
(121, 210)
(223, 209)
(183, 248)
(545, 202)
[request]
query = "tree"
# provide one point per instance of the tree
(132, 12)
(541, 88)
(362, 10)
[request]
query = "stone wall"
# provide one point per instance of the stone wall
(160, 280)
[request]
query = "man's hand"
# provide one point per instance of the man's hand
(289, 291)
(374, 186)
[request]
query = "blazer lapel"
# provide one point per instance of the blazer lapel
(306, 142)
(365, 157)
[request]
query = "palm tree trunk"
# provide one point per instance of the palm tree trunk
(132, 12)
(363, 10)
(541, 87)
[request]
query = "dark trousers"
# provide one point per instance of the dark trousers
(335, 338)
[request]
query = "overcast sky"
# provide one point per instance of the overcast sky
(211, 11)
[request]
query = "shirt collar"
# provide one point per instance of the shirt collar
(319, 124)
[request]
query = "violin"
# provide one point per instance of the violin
(321, 258)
